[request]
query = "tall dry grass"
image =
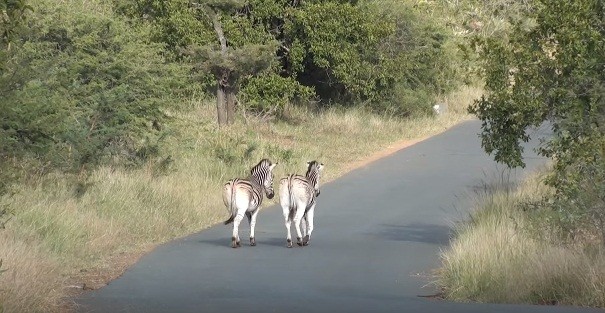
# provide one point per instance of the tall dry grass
(64, 234)
(32, 282)
(505, 256)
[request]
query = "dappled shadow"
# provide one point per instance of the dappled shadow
(426, 233)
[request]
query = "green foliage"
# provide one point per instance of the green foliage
(235, 150)
(248, 60)
(374, 52)
(82, 88)
(551, 68)
(280, 153)
(343, 51)
(175, 23)
(339, 43)
(416, 62)
(404, 102)
(269, 94)
(11, 19)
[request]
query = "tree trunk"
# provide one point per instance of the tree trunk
(230, 102)
(221, 100)
(225, 99)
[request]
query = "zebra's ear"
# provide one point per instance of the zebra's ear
(321, 166)
(272, 166)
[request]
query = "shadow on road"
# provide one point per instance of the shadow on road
(425, 233)
(226, 242)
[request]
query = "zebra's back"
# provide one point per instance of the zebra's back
(296, 189)
(241, 192)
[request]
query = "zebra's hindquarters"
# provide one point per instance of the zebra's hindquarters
(228, 201)
(284, 193)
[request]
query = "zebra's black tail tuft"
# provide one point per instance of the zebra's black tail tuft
(229, 221)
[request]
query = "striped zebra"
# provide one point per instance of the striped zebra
(297, 196)
(244, 196)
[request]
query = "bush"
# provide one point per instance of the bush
(270, 94)
(549, 68)
(405, 102)
(84, 88)
(418, 61)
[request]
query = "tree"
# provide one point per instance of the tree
(278, 51)
(12, 16)
(218, 37)
(232, 61)
(81, 89)
(551, 67)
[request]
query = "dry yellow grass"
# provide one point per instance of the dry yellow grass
(31, 282)
(502, 257)
(60, 238)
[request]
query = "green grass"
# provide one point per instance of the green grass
(509, 253)
(64, 234)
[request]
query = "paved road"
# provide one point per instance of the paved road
(378, 233)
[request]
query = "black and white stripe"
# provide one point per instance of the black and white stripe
(244, 197)
(297, 196)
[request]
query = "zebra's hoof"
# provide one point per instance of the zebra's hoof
(252, 242)
(299, 241)
(289, 243)
(306, 240)
(235, 243)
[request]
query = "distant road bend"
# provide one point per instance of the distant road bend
(378, 233)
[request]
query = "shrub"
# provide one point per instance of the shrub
(82, 88)
(270, 94)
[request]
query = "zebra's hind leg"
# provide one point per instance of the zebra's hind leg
(303, 230)
(235, 242)
(288, 236)
(288, 220)
(252, 220)
(309, 227)
(297, 219)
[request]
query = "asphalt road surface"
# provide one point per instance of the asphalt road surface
(378, 233)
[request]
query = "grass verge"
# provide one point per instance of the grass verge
(64, 235)
(511, 251)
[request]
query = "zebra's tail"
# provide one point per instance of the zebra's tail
(232, 217)
(291, 212)
(229, 220)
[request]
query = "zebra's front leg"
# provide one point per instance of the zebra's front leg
(309, 219)
(252, 225)
(235, 242)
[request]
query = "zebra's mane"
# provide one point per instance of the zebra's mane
(261, 164)
(313, 166)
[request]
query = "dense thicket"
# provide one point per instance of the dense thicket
(86, 83)
(80, 86)
(378, 52)
(550, 68)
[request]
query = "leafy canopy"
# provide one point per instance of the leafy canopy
(552, 68)
(81, 88)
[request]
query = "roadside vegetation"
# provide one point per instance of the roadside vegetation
(517, 249)
(121, 120)
(70, 234)
(544, 242)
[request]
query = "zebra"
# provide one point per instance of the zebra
(297, 196)
(244, 196)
